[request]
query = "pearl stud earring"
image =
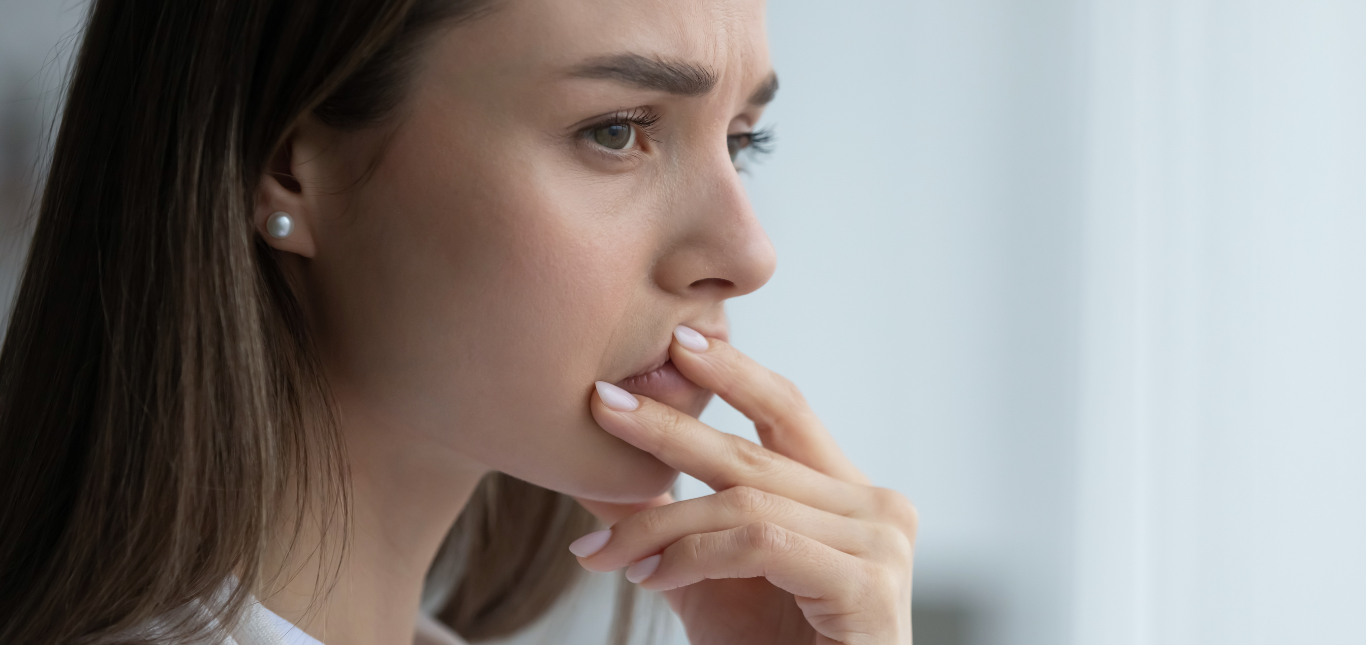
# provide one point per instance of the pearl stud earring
(279, 225)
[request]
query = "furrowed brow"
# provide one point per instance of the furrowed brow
(763, 95)
(674, 77)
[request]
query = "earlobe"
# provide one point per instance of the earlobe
(279, 225)
(284, 231)
(283, 211)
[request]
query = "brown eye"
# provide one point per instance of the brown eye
(618, 136)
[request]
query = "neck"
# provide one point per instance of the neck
(406, 492)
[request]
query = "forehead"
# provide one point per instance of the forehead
(528, 36)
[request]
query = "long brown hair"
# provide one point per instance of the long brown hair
(161, 404)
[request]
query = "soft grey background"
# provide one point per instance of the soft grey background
(1081, 278)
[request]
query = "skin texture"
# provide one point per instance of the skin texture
(475, 265)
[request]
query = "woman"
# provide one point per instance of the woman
(332, 302)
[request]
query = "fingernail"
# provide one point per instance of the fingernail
(689, 338)
(591, 543)
(616, 398)
(638, 572)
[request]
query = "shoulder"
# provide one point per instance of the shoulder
(253, 628)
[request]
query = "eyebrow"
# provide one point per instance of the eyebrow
(763, 95)
(674, 77)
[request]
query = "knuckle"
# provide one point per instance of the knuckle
(746, 501)
(768, 537)
(670, 429)
(893, 507)
(869, 580)
(880, 583)
(690, 548)
(672, 426)
(892, 541)
(650, 523)
(753, 459)
(880, 537)
(789, 391)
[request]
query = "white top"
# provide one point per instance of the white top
(289, 633)
(261, 626)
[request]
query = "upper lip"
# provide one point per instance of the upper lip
(654, 365)
(662, 357)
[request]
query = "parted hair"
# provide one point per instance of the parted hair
(162, 407)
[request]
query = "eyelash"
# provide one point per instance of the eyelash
(641, 118)
(757, 143)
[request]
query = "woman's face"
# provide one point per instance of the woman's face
(556, 195)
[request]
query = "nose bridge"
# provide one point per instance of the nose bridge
(721, 250)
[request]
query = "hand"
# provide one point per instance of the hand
(795, 546)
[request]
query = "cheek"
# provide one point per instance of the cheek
(469, 306)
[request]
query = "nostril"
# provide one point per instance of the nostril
(719, 284)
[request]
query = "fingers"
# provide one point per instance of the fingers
(717, 459)
(610, 513)
(650, 531)
(781, 415)
(791, 561)
(843, 597)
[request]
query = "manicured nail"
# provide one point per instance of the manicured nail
(638, 572)
(616, 398)
(689, 338)
(591, 543)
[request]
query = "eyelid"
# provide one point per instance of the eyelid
(644, 119)
(757, 142)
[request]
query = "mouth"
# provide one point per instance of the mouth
(660, 377)
(660, 380)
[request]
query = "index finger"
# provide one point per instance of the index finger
(781, 415)
(717, 459)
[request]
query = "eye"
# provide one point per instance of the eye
(735, 143)
(759, 142)
(614, 136)
(622, 132)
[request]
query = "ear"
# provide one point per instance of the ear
(282, 190)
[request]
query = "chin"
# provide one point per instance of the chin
(691, 403)
(624, 474)
(619, 473)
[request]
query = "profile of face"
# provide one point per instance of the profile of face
(558, 191)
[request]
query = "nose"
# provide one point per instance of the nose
(719, 250)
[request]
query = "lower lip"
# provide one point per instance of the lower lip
(664, 382)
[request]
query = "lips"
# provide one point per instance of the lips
(664, 383)
(660, 380)
(664, 371)
(658, 374)
(654, 365)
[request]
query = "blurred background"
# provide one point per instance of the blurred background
(1085, 279)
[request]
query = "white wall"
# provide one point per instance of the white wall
(1222, 491)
